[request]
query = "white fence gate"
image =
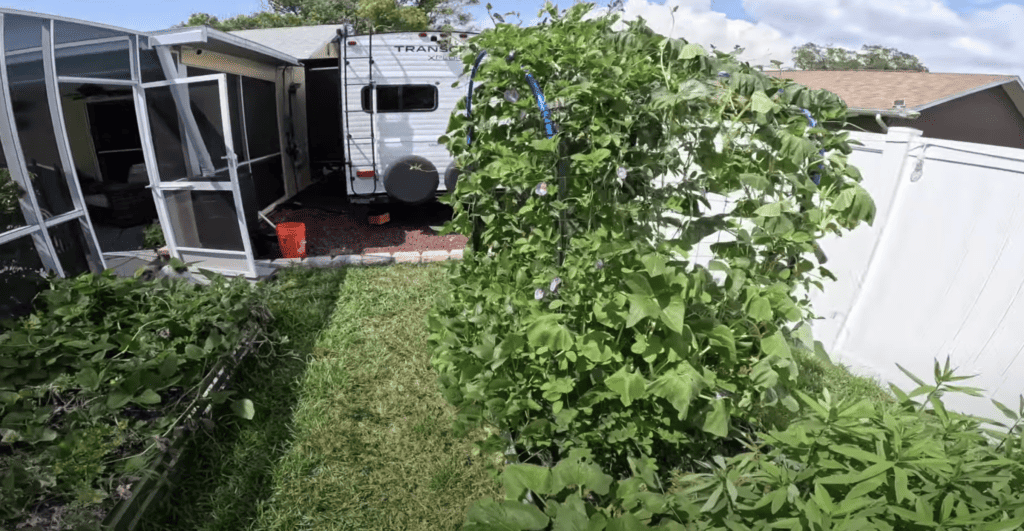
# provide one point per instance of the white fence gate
(939, 273)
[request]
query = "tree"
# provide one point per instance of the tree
(361, 16)
(873, 57)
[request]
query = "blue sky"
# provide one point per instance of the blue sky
(969, 36)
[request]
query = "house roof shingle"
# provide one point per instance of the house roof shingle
(878, 89)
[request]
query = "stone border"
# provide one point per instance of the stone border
(400, 257)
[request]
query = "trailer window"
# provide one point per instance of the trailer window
(402, 98)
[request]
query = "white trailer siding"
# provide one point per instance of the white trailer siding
(380, 140)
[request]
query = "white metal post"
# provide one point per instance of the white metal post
(19, 170)
(149, 152)
(64, 148)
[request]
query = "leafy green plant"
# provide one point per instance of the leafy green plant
(97, 380)
(843, 464)
(153, 237)
(627, 347)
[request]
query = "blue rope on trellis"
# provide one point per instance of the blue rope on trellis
(549, 128)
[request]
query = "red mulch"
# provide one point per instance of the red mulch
(331, 234)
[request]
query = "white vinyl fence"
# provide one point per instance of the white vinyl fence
(939, 273)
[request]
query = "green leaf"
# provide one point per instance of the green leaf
(717, 420)
(692, 50)
(147, 397)
(776, 345)
(626, 522)
(772, 210)
(721, 336)
(679, 386)
(641, 306)
(1006, 411)
(117, 399)
(88, 379)
(243, 408)
(822, 498)
(630, 386)
(760, 102)
(674, 315)
(548, 332)
(520, 478)
(571, 515)
(760, 310)
(909, 374)
(505, 515)
(194, 352)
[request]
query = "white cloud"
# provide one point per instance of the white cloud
(694, 21)
(986, 41)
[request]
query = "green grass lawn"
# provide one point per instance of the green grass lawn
(351, 431)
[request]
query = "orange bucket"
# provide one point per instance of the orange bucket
(291, 237)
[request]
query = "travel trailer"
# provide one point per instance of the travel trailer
(397, 97)
(376, 105)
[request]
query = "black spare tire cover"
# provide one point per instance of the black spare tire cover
(411, 180)
(451, 177)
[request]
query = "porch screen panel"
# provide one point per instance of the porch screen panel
(167, 134)
(67, 32)
(205, 101)
(233, 100)
(72, 249)
(268, 179)
(106, 60)
(32, 114)
(260, 117)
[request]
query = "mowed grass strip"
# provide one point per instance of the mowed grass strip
(371, 441)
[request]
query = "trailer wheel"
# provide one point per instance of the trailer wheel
(412, 180)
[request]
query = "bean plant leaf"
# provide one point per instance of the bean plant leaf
(148, 397)
(520, 478)
(504, 515)
(760, 102)
(679, 386)
(692, 50)
(243, 408)
(548, 332)
(629, 385)
(88, 378)
(717, 420)
(776, 345)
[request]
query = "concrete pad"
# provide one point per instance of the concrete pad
(456, 254)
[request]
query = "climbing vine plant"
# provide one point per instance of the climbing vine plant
(629, 346)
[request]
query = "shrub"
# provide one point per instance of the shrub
(842, 464)
(582, 330)
(96, 381)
